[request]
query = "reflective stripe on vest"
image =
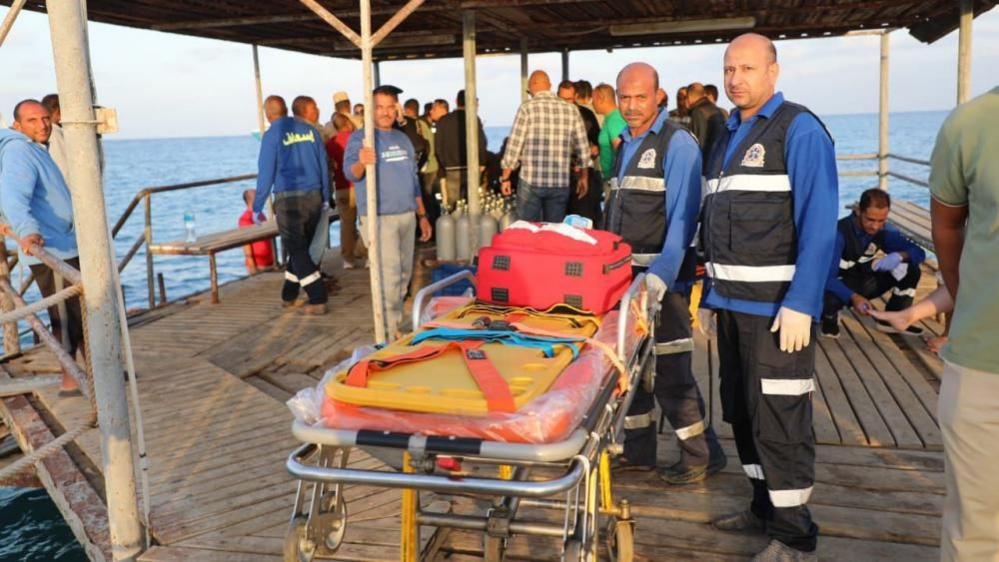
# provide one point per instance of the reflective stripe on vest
(750, 273)
(771, 183)
(638, 183)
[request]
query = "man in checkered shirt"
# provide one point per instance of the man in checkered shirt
(547, 133)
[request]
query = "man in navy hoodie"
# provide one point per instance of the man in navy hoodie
(292, 166)
(36, 204)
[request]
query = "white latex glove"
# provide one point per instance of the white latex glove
(889, 262)
(706, 322)
(656, 287)
(795, 329)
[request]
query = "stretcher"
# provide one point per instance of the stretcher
(481, 452)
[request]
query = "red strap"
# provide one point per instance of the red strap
(493, 386)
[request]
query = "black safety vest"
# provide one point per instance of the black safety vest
(748, 237)
(856, 260)
(636, 208)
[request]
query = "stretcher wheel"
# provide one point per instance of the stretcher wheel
(493, 548)
(621, 541)
(333, 525)
(297, 546)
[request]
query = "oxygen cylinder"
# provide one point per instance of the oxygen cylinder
(506, 220)
(462, 238)
(473, 231)
(445, 237)
(488, 227)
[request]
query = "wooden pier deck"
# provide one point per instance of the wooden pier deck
(213, 379)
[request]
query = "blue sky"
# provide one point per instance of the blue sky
(166, 85)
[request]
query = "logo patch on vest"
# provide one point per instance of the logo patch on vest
(755, 156)
(872, 249)
(648, 159)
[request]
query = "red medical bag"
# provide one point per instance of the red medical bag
(540, 267)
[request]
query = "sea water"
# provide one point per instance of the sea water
(31, 527)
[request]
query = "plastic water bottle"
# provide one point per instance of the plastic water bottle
(189, 226)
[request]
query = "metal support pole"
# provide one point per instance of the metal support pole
(8, 21)
(103, 328)
(260, 91)
(11, 339)
(964, 51)
(471, 117)
(377, 76)
(883, 116)
(523, 69)
(371, 180)
(565, 64)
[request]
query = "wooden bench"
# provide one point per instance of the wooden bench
(211, 244)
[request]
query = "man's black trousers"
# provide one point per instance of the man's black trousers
(874, 285)
(677, 393)
(766, 395)
(297, 214)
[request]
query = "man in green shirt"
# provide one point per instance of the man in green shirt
(964, 183)
(605, 104)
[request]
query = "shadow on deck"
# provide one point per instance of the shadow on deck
(212, 380)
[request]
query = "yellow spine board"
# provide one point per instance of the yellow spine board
(443, 384)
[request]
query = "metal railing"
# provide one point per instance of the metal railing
(889, 173)
(145, 196)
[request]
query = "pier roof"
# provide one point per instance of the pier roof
(434, 30)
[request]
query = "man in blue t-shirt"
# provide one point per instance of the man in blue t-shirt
(292, 165)
(870, 258)
(399, 199)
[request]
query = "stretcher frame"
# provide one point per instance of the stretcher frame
(581, 488)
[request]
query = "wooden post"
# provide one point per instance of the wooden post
(471, 116)
(371, 179)
(565, 64)
(964, 51)
(147, 232)
(260, 92)
(523, 69)
(883, 115)
(11, 340)
(103, 328)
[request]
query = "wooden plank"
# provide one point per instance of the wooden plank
(836, 521)
(902, 390)
(886, 401)
(693, 537)
(863, 405)
(79, 504)
(926, 394)
(187, 554)
(733, 483)
(840, 408)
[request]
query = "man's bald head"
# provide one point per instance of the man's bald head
(639, 70)
(275, 108)
(751, 72)
(539, 82)
(756, 42)
(695, 92)
(638, 95)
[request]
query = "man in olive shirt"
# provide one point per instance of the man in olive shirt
(964, 183)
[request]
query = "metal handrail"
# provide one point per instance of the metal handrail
(146, 192)
(146, 239)
(910, 159)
